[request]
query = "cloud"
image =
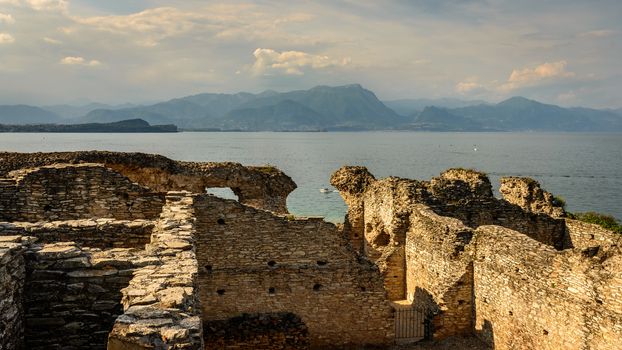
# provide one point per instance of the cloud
(533, 76)
(79, 61)
(52, 41)
(291, 62)
(604, 33)
(6, 38)
(6, 18)
(40, 5)
(469, 87)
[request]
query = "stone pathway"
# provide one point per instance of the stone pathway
(451, 343)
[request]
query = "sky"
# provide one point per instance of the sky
(565, 52)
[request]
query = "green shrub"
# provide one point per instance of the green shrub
(559, 201)
(605, 221)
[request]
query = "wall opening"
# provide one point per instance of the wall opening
(222, 192)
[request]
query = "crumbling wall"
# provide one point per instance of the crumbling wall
(73, 295)
(252, 261)
(527, 194)
(93, 233)
(12, 277)
(67, 192)
(160, 305)
(263, 187)
(530, 296)
(440, 270)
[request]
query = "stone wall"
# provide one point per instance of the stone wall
(161, 305)
(527, 194)
(582, 235)
(94, 233)
(530, 296)
(440, 270)
(12, 277)
(73, 295)
(252, 261)
(66, 192)
(274, 331)
(263, 187)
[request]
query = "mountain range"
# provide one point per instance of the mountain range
(349, 107)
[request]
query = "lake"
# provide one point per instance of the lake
(583, 168)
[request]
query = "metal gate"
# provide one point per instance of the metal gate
(411, 324)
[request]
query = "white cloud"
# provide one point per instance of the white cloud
(80, 61)
(6, 38)
(291, 62)
(52, 41)
(6, 18)
(533, 76)
(468, 87)
(39, 5)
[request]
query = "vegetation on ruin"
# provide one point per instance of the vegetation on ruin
(559, 201)
(266, 169)
(605, 221)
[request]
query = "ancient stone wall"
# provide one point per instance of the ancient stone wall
(66, 192)
(161, 305)
(73, 295)
(12, 277)
(530, 296)
(440, 270)
(94, 233)
(252, 261)
(527, 194)
(263, 187)
(274, 331)
(582, 235)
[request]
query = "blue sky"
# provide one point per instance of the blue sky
(562, 52)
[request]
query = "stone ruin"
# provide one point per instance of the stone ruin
(514, 271)
(127, 251)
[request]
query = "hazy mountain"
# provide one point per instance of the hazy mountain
(349, 107)
(414, 106)
(441, 119)
(322, 107)
(71, 112)
(285, 115)
(519, 113)
(22, 114)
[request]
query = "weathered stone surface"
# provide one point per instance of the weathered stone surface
(527, 194)
(261, 186)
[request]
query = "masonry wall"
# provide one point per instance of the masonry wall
(73, 295)
(251, 261)
(68, 192)
(439, 270)
(160, 305)
(582, 235)
(93, 233)
(12, 276)
(530, 296)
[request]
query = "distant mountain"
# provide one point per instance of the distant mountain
(349, 107)
(325, 108)
(71, 112)
(441, 119)
(521, 114)
(285, 115)
(22, 114)
(409, 107)
(134, 125)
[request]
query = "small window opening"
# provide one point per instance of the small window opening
(545, 332)
(271, 290)
(208, 267)
(47, 207)
(322, 262)
(221, 292)
(220, 221)
(272, 263)
(317, 287)
(363, 289)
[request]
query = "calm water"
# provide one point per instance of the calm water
(585, 169)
